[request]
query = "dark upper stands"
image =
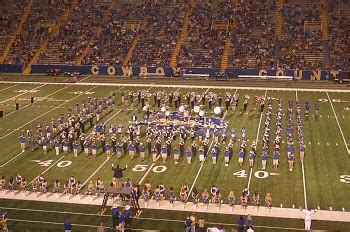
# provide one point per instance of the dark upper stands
(146, 33)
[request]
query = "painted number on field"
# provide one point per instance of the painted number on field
(81, 92)
(240, 174)
(333, 100)
(26, 91)
(261, 174)
(345, 179)
(257, 174)
(143, 167)
(47, 163)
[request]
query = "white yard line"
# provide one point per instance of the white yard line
(96, 171)
(113, 153)
(43, 114)
(153, 163)
(6, 115)
(302, 167)
(150, 219)
(20, 153)
(47, 169)
(23, 93)
(256, 139)
(276, 212)
(189, 86)
(8, 87)
(202, 164)
(341, 131)
(13, 158)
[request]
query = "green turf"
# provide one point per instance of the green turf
(326, 154)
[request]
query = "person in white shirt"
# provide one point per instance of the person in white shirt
(307, 217)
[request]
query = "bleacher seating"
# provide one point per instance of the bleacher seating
(35, 30)
(286, 34)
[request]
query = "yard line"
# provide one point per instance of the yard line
(256, 140)
(96, 171)
(151, 219)
(202, 164)
(302, 167)
(43, 114)
(22, 94)
(113, 153)
(153, 163)
(20, 153)
(47, 169)
(9, 87)
(336, 118)
(44, 98)
(189, 86)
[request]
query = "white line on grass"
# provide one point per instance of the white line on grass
(302, 167)
(8, 87)
(43, 114)
(20, 153)
(256, 139)
(341, 131)
(139, 218)
(190, 86)
(22, 93)
(44, 98)
(202, 164)
(113, 153)
(153, 163)
(150, 219)
(96, 171)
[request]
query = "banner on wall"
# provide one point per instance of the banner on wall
(120, 71)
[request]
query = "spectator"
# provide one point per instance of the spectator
(240, 224)
(249, 222)
(4, 220)
(101, 227)
(188, 224)
(67, 226)
(115, 215)
(201, 225)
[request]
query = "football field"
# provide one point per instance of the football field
(322, 181)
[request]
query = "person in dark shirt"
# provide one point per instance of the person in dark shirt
(240, 224)
(115, 216)
(118, 175)
(67, 226)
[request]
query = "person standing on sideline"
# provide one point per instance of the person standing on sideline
(118, 175)
(240, 224)
(115, 216)
(307, 217)
(249, 222)
(67, 226)
(16, 103)
(101, 228)
(4, 220)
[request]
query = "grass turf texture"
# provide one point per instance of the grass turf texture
(326, 155)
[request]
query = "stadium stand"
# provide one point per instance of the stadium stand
(36, 29)
(273, 34)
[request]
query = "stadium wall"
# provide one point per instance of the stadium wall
(11, 68)
(169, 71)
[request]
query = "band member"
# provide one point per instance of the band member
(195, 197)
(22, 140)
(189, 155)
(276, 156)
(142, 152)
(176, 155)
(16, 103)
(268, 201)
(256, 200)
(231, 200)
(205, 198)
(172, 197)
